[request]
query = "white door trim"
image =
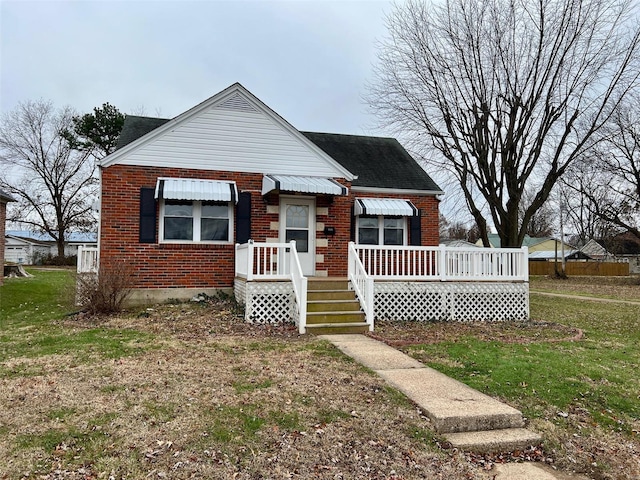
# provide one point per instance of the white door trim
(307, 259)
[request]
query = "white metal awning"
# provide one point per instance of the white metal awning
(295, 183)
(195, 189)
(384, 206)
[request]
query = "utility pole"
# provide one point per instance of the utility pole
(564, 272)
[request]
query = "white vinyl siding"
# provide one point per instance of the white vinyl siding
(232, 140)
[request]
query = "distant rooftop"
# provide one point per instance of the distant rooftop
(73, 237)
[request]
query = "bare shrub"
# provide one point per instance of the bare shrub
(107, 291)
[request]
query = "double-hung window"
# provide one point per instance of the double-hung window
(381, 230)
(196, 221)
(196, 210)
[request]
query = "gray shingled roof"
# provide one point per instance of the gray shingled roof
(378, 162)
(135, 127)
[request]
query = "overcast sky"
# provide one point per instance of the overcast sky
(307, 60)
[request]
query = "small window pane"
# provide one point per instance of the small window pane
(214, 229)
(297, 216)
(178, 209)
(368, 236)
(301, 237)
(390, 222)
(393, 236)
(178, 228)
(217, 210)
(393, 231)
(368, 222)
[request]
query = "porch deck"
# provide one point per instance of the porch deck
(390, 283)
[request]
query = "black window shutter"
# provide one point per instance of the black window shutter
(415, 231)
(243, 217)
(352, 231)
(147, 215)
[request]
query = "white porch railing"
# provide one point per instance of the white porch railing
(362, 284)
(443, 263)
(274, 261)
(87, 260)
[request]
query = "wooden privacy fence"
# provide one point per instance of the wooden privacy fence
(597, 269)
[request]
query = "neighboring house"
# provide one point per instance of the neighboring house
(551, 255)
(597, 252)
(534, 244)
(4, 199)
(24, 250)
(211, 199)
(459, 244)
(23, 246)
(626, 246)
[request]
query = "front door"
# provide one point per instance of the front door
(298, 222)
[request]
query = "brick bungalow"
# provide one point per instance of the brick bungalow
(179, 194)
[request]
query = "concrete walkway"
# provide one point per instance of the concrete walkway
(582, 297)
(466, 418)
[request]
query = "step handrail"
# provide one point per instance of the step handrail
(362, 284)
(299, 282)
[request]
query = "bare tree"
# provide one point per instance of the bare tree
(508, 92)
(581, 192)
(53, 183)
(615, 199)
(541, 223)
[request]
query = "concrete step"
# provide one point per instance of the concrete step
(333, 306)
(492, 441)
(467, 418)
(331, 283)
(313, 295)
(451, 405)
(337, 328)
(335, 317)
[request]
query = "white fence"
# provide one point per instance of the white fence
(88, 260)
(275, 261)
(444, 263)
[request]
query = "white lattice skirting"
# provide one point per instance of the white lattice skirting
(274, 302)
(266, 302)
(464, 301)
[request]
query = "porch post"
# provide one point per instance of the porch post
(525, 263)
(442, 262)
(250, 261)
(370, 302)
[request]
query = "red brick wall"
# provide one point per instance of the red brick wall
(160, 265)
(3, 219)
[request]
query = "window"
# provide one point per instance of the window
(195, 221)
(297, 226)
(373, 229)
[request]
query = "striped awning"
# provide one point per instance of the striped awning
(295, 183)
(196, 189)
(384, 206)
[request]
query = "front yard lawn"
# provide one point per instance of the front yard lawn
(189, 390)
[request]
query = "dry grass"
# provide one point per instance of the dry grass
(211, 397)
(618, 288)
(193, 392)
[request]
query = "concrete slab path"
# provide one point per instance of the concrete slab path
(468, 419)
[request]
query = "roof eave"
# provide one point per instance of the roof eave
(408, 191)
